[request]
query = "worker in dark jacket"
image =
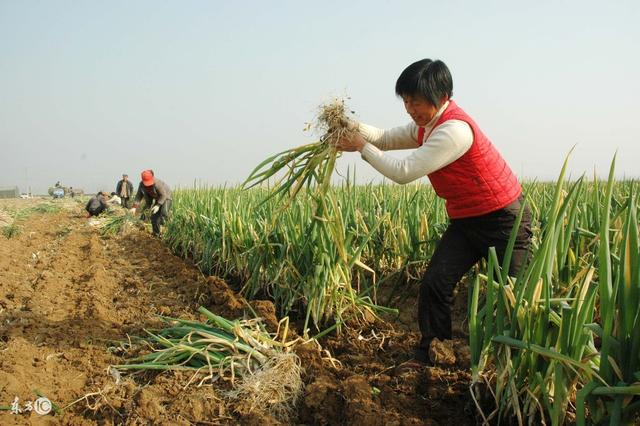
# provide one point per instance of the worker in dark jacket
(97, 204)
(157, 196)
(124, 190)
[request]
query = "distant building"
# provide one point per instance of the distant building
(9, 192)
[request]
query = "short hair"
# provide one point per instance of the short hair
(125, 175)
(427, 79)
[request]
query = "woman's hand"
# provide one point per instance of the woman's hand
(351, 143)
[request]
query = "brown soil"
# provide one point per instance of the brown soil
(69, 298)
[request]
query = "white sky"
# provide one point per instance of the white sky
(205, 90)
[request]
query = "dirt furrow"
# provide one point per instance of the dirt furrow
(70, 298)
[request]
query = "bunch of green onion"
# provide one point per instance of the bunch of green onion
(118, 224)
(219, 347)
(306, 165)
(326, 261)
(269, 371)
(44, 208)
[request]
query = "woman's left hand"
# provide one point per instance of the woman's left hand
(351, 143)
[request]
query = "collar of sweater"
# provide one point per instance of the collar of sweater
(430, 124)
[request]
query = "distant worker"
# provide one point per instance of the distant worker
(71, 192)
(115, 200)
(124, 190)
(157, 196)
(97, 204)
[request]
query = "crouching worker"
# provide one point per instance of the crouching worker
(157, 196)
(97, 204)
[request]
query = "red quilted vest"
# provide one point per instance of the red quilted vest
(477, 183)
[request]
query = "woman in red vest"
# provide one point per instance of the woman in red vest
(481, 193)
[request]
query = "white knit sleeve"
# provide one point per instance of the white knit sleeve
(402, 137)
(446, 144)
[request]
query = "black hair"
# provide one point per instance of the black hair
(427, 79)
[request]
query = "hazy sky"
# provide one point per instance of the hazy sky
(205, 90)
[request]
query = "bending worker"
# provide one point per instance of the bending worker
(482, 194)
(157, 196)
(96, 204)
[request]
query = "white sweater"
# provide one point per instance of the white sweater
(448, 142)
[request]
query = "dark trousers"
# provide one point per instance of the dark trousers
(126, 202)
(158, 218)
(95, 211)
(464, 242)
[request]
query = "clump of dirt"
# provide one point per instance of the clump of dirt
(360, 406)
(442, 353)
(221, 295)
(148, 405)
(266, 310)
(322, 402)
